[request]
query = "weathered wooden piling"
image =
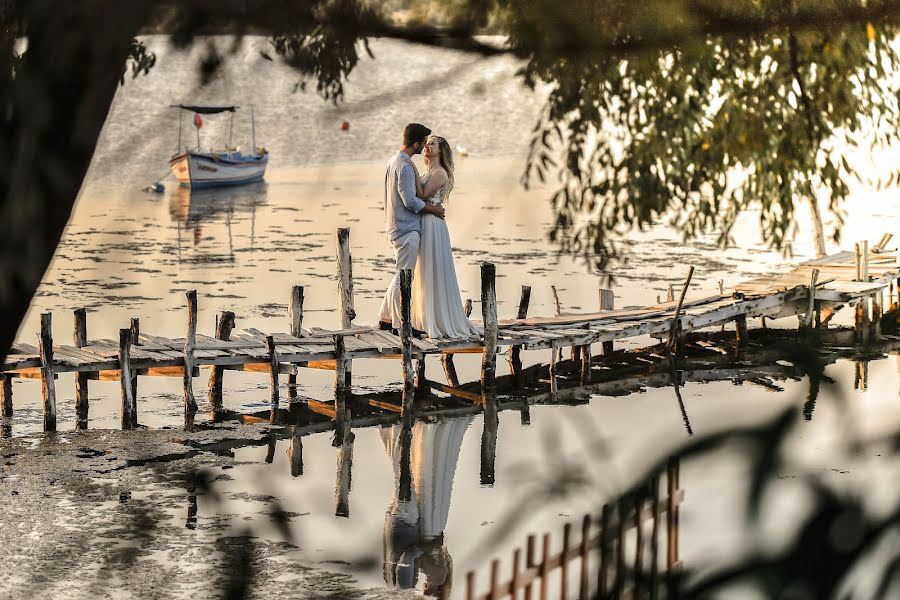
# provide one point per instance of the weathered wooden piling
(135, 341)
(295, 315)
(583, 580)
(345, 287)
(274, 369)
(740, 329)
(295, 452)
(564, 563)
(491, 325)
(6, 394)
(341, 412)
(48, 383)
(81, 378)
(810, 319)
(344, 472)
(129, 402)
(603, 571)
(489, 439)
(408, 374)
(449, 369)
(405, 441)
(190, 342)
(224, 327)
(515, 359)
(607, 302)
(530, 545)
(675, 331)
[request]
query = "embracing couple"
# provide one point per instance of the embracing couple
(414, 220)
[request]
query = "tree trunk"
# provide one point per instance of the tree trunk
(55, 108)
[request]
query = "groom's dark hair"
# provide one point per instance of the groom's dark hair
(415, 132)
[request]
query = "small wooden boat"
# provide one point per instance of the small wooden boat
(199, 169)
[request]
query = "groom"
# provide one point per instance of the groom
(403, 217)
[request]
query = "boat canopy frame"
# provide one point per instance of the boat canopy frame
(204, 109)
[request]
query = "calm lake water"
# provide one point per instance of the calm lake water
(128, 253)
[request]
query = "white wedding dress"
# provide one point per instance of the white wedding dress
(437, 307)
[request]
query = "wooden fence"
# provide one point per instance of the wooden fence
(614, 557)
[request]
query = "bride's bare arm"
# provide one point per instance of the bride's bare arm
(419, 191)
(435, 182)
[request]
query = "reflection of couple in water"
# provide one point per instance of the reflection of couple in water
(414, 524)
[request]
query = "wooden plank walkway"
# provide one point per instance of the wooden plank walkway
(858, 278)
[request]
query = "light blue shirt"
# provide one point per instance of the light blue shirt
(401, 205)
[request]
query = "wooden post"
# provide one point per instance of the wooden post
(344, 472)
(345, 288)
(489, 439)
(295, 314)
(493, 594)
(421, 386)
(129, 404)
(81, 378)
(620, 547)
(670, 293)
(586, 364)
(811, 308)
(295, 452)
(190, 342)
(674, 332)
(583, 588)
(48, 384)
(515, 360)
(491, 326)
(224, 326)
(554, 367)
(450, 369)
(607, 302)
(529, 563)
(740, 328)
(556, 300)
(857, 261)
(6, 394)
(818, 231)
(876, 314)
(654, 540)
(671, 524)
(274, 368)
(602, 584)
(638, 545)
(865, 260)
(514, 580)
(135, 341)
(564, 563)
(545, 566)
(406, 341)
(340, 390)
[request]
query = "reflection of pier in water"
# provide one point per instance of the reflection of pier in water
(192, 209)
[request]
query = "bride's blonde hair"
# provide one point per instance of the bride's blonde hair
(446, 158)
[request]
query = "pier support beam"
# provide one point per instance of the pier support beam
(491, 325)
(344, 471)
(223, 332)
(740, 328)
(129, 402)
(295, 314)
(450, 369)
(295, 452)
(6, 395)
(345, 287)
(340, 391)
(135, 341)
(515, 359)
(81, 379)
(190, 342)
(48, 384)
(274, 367)
(607, 302)
(408, 375)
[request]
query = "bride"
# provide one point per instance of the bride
(436, 304)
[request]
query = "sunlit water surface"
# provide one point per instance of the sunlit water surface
(128, 253)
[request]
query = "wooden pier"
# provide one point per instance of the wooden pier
(814, 291)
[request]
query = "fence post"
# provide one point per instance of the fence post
(48, 384)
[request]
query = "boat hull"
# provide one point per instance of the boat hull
(203, 170)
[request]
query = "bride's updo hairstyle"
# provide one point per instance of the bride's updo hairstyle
(446, 156)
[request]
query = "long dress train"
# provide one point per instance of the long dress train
(437, 307)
